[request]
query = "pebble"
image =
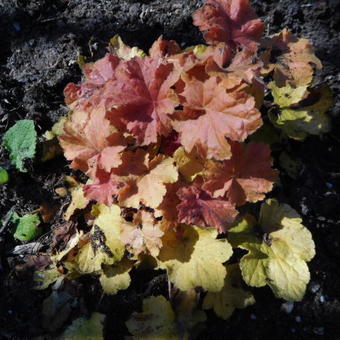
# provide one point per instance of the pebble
(298, 318)
(319, 330)
(287, 307)
(17, 27)
(314, 287)
(322, 299)
(253, 316)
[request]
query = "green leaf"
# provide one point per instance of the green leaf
(279, 258)
(83, 329)
(3, 176)
(20, 140)
(26, 226)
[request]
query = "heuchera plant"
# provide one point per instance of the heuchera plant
(164, 140)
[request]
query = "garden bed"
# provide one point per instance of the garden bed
(40, 44)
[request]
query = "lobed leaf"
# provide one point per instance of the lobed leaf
(157, 321)
(195, 258)
(211, 115)
(279, 260)
(302, 112)
(231, 21)
(246, 177)
(231, 296)
(20, 141)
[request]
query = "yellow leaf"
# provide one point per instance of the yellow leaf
(279, 259)
(109, 221)
(287, 95)
(83, 329)
(298, 118)
(78, 201)
(198, 50)
(90, 259)
(123, 51)
(156, 322)
(189, 165)
(57, 129)
(116, 277)
(105, 246)
(42, 279)
(231, 296)
(196, 259)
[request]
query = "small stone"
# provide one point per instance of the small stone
(319, 330)
(253, 316)
(322, 299)
(298, 318)
(287, 307)
(314, 287)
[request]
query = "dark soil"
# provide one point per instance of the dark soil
(40, 41)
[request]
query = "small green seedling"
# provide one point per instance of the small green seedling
(3, 176)
(27, 226)
(20, 141)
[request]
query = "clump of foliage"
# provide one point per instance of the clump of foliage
(165, 140)
(20, 141)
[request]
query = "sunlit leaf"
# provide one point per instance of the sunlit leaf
(279, 259)
(195, 258)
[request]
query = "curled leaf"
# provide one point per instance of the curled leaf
(123, 51)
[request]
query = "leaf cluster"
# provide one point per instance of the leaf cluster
(163, 139)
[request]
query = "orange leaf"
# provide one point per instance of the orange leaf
(246, 177)
(89, 141)
(210, 115)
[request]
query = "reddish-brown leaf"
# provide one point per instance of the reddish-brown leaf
(246, 177)
(142, 97)
(103, 188)
(199, 208)
(233, 22)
